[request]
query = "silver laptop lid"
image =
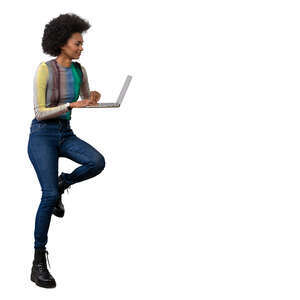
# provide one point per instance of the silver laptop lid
(124, 89)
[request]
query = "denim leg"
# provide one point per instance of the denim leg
(91, 160)
(43, 154)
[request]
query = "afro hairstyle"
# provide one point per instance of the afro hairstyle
(59, 30)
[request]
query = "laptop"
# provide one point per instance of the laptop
(119, 100)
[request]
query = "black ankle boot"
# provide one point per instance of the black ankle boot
(59, 209)
(39, 272)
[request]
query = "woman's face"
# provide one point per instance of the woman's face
(73, 47)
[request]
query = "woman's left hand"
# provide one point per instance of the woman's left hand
(95, 96)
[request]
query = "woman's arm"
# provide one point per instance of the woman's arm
(84, 87)
(39, 91)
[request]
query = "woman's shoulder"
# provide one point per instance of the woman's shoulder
(79, 64)
(47, 66)
(42, 67)
(81, 68)
(46, 63)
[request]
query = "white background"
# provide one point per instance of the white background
(199, 198)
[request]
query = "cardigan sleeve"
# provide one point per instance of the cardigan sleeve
(84, 87)
(40, 94)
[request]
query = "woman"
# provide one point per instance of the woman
(57, 85)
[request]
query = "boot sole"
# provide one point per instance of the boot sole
(41, 284)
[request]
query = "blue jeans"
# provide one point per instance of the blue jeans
(48, 140)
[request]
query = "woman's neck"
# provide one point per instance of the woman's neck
(64, 61)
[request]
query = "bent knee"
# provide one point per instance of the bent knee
(99, 163)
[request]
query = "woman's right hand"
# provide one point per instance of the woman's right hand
(81, 103)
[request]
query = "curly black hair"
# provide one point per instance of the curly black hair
(59, 30)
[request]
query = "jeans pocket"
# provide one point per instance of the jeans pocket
(36, 127)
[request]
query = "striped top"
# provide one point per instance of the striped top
(54, 85)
